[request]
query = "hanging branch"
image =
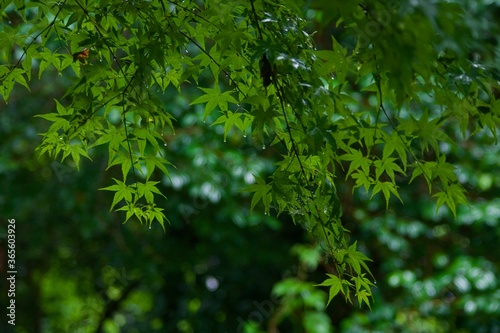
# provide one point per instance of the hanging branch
(269, 76)
(393, 126)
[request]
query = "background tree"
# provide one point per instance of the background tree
(387, 100)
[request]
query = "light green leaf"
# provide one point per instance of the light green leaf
(123, 192)
(335, 285)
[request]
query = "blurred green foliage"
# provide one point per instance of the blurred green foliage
(218, 267)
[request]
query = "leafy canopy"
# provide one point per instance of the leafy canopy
(261, 74)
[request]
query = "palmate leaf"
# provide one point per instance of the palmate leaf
(444, 171)
(262, 192)
(388, 166)
(114, 138)
(18, 77)
(213, 98)
(426, 170)
(357, 259)
(122, 159)
(360, 282)
(122, 192)
(132, 209)
(147, 191)
(230, 119)
(153, 162)
(387, 189)
(362, 179)
(358, 161)
(75, 150)
(60, 120)
(453, 194)
(394, 143)
(153, 213)
(364, 297)
(335, 284)
(362, 286)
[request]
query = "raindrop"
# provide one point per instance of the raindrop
(224, 140)
(165, 144)
(263, 146)
(149, 227)
(244, 135)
